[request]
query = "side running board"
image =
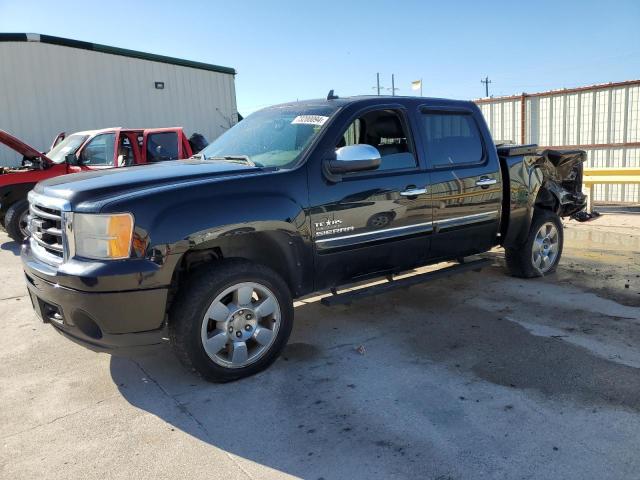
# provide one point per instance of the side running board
(348, 297)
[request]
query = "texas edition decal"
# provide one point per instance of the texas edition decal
(328, 227)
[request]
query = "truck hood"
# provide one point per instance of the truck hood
(22, 148)
(100, 186)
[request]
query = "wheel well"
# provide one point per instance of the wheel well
(264, 248)
(546, 200)
(12, 194)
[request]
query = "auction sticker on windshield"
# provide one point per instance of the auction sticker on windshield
(310, 120)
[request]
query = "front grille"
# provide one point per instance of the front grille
(45, 226)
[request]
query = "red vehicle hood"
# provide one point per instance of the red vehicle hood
(22, 148)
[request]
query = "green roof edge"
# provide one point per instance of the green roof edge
(124, 52)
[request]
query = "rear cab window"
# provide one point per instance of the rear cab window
(451, 139)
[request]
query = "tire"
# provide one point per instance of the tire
(192, 336)
(529, 260)
(15, 220)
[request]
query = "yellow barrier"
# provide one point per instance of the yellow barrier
(593, 176)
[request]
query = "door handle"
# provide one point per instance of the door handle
(485, 182)
(413, 192)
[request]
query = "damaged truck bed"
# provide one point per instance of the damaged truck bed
(548, 179)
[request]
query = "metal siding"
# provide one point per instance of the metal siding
(586, 118)
(544, 126)
(557, 120)
(633, 114)
(507, 128)
(572, 119)
(49, 88)
(602, 117)
(517, 121)
(617, 123)
(496, 117)
(531, 120)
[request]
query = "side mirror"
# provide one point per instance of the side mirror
(354, 158)
(71, 159)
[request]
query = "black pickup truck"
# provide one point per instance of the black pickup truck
(297, 198)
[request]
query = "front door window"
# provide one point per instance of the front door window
(100, 151)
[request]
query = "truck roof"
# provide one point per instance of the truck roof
(92, 133)
(368, 99)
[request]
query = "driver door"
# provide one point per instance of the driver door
(98, 153)
(372, 222)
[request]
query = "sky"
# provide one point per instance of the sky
(288, 50)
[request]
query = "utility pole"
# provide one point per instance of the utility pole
(377, 87)
(393, 85)
(486, 82)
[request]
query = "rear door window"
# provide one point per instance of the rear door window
(162, 147)
(452, 139)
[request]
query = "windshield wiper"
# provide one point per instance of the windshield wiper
(235, 158)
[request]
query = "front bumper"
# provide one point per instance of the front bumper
(103, 321)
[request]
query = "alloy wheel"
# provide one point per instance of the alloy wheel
(240, 325)
(546, 246)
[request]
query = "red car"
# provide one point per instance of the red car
(90, 150)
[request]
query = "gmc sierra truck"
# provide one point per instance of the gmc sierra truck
(210, 251)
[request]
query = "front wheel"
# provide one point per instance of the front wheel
(15, 221)
(231, 321)
(541, 252)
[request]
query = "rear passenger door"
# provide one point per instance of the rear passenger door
(466, 185)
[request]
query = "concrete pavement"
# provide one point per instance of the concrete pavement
(476, 376)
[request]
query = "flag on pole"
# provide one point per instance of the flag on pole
(416, 85)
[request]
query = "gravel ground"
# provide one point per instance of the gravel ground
(476, 376)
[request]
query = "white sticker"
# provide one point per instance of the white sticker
(310, 120)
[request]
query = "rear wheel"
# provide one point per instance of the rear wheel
(15, 221)
(541, 252)
(231, 321)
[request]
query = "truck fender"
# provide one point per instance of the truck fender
(277, 237)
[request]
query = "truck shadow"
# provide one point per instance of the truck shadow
(11, 246)
(379, 388)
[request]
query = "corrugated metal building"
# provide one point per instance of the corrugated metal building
(602, 119)
(50, 84)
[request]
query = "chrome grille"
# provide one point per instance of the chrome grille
(45, 226)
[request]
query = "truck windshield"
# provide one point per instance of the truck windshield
(65, 147)
(273, 137)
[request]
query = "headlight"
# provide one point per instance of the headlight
(100, 236)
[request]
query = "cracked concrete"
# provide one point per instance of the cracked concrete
(476, 376)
